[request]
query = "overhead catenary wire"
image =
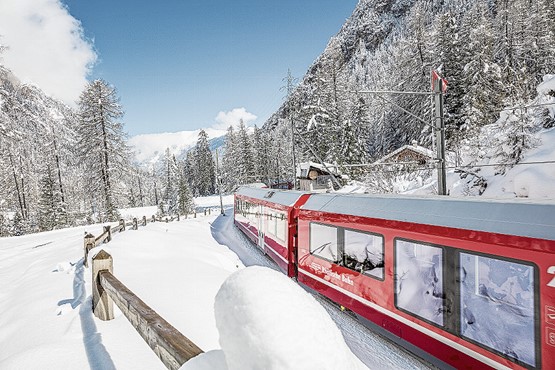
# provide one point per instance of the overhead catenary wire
(416, 166)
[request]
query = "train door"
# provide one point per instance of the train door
(260, 226)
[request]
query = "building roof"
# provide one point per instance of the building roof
(414, 147)
(307, 166)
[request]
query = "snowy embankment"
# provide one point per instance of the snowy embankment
(177, 268)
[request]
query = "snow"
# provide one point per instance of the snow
(177, 268)
(249, 340)
(547, 85)
(534, 181)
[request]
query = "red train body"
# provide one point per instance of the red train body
(470, 282)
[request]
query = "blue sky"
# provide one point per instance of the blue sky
(177, 64)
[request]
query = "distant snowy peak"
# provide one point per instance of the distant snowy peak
(149, 148)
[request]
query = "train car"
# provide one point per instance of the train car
(268, 218)
(470, 282)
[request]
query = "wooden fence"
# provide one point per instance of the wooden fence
(172, 347)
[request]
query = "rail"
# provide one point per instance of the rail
(172, 347)
(91, 242)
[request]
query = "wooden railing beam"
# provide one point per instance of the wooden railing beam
(172, 347)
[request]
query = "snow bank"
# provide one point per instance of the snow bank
(266, 321)
(547, 85)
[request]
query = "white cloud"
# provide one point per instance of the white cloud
(46, 46)
(233, 118)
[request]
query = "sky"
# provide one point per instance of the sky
(177, 65)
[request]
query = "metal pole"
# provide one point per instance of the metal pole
(219, 185)
(290, 81)
(440, 137)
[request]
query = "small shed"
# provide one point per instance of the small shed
(408, 154)
(316, 177)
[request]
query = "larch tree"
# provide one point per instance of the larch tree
(101, 146)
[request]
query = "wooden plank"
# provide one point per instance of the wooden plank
(100, 239)
(172, 347)
(102, 304)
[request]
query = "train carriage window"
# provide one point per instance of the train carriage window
(419, 280)
(281, 226)
(323, 242)
(364, 253)
(497, 305)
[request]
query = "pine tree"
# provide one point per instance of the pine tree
(516, 135)
(245, 159)
(481, 75)
(52, 212)
(262, 157)
(229, 171)
(170, 182)
(205, 174)
(186, 204)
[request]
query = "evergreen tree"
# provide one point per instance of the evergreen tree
(261, 150)
(246, 168)
(205, 174)
(481, 74)
(186, 204)
(52, 212)
(516, 135)
(170, 183)
(229, 171)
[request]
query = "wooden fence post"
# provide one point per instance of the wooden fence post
(102, 304)
(209, 210)
(153, 218)
(88, 245)
(204, 211)
(195, 215)
(122, 225)
(144, 220)
(108, 229)
(178, 217)
(135, 224)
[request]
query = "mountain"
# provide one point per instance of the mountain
(149, 148)
(369, 91)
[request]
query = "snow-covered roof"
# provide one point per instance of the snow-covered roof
(285, 198)
(306, 166)
(513, 217)
(415, 148)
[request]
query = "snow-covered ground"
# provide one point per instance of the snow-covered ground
(177, 268)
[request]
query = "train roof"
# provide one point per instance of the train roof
(511, 217)
(285, 198)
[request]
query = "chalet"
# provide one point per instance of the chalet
(408, 154)
(316, 177)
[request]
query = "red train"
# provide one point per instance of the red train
(469, 282)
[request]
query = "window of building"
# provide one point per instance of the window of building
(419, 280)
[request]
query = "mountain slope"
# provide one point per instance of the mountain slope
(149, 148)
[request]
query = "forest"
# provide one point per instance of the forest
(63, 166)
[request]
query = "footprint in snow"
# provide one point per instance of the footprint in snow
(67, 267)
(63, 309)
